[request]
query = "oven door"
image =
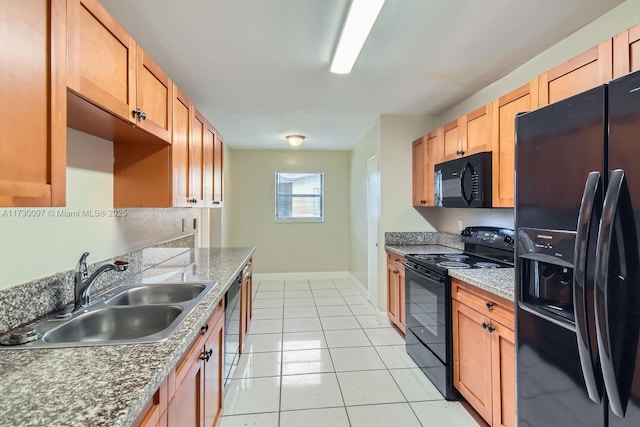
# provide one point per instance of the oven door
(426, 309)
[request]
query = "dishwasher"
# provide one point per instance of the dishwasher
(231, 329)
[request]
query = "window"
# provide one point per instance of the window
(299, 197)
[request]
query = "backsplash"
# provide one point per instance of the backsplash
(423, 238)
(28, 301)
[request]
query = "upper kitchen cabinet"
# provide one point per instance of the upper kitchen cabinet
(181, 149)
(585, 71)
(476, 131)
(452, 140)
(626, 52)
(212, 163)
(153, 98)
(434, 155)
(418, 175)
(106, 68)
(33, 116)
(196, 157)
(505, 110)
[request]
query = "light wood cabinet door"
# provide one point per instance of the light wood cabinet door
(472, 358)
(418, 175)
(196, 157)
(505, 109)
(207, 164)
(626, 52)
(33, 111)
(585, 71)
(154, 98)
(180, 149)
(101, 58)
(452, 144)
(476, 131)
(434, 155)
(402, 318)
(218, 170)
(245, 304)
(213, 368)
(392, 293)
(186, 408)
(503, 375)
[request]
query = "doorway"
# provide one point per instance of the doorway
(373, 220)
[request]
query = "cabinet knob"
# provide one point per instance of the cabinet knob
(489, 305)
(490, 328)
(136, 112)
(143, 115)
(461, 153)
(204, 329)
(195, 201)
(484, 325)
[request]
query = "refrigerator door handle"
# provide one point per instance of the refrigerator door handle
(592, 192)
(617, 302)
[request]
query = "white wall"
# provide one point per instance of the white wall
(32, 248)
(611, 23)
(360, 154)
(446, 219)
(290, 247)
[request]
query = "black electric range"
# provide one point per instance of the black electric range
(428, 298)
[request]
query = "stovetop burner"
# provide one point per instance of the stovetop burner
(456, 257)
(427, 257)
(453, 264)
(486, 265)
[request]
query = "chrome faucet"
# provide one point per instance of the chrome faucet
(83, 281)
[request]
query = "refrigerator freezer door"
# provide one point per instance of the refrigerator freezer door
(621, 295)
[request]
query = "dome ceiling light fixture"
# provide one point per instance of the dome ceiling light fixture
(295, 140)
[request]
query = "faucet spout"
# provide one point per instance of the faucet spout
(83, 283)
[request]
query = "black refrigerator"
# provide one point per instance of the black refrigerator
(577, 215)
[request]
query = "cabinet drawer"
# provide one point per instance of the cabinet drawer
(495, 307)
(394, 257)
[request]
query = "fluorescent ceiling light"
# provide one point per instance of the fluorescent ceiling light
(362, 15)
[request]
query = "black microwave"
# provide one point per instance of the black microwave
(464, 182)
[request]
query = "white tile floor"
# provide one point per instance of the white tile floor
(318, 354)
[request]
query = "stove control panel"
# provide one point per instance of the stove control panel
(502, 238)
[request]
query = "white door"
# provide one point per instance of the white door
(373, 219)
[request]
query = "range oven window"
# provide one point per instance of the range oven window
(426, 310)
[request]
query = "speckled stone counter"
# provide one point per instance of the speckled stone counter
(499, 281)
(109, 385)
(420, 249)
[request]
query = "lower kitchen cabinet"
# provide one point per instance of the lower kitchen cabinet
(395, 290)
(246, 310)
(484, 352)
(192, 393)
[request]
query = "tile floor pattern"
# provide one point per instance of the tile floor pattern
(319, 354)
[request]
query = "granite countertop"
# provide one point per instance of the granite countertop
(109, 385)
(421, 249)
(498, 281)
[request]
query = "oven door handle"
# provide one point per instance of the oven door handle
(431, 276)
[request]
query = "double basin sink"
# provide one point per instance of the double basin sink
(125, 315)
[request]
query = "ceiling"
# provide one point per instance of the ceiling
(259, 70)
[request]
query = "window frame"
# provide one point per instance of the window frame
(300, 219)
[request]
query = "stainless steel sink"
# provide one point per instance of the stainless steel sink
(158, 294)
(115, 324)
(128, 314)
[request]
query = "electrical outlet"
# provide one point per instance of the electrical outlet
(184, 225)
(460, 225)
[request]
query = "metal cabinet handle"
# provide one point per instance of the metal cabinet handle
(136, 112)
(490, 328)
(484, 325)
(204, 329)
(206, 355)
(489, 305)
(143, 115)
